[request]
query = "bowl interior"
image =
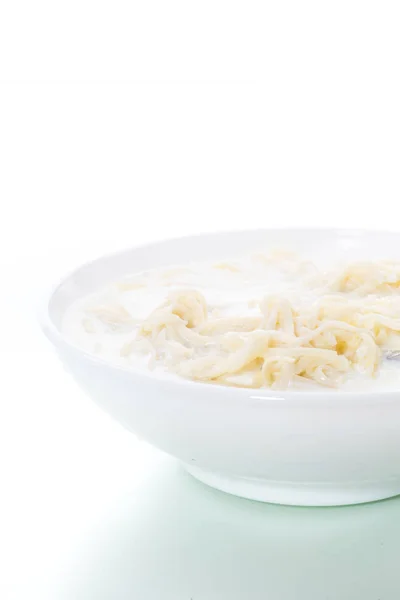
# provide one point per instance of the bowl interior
(317, 245)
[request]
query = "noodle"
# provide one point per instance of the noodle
(343, 325)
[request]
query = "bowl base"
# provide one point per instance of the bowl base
(295, 493)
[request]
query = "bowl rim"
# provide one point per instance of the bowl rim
(56, 337)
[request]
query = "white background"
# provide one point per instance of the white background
(123, 122)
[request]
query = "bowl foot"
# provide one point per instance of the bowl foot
(298, 494)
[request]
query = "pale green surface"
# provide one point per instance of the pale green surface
(178, 540)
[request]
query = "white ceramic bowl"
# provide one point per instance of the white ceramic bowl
(304, 448)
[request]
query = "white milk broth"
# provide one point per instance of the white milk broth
(230, 288)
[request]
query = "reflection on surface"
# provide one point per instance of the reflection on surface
(176, 539)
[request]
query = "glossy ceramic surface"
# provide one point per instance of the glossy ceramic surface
(306, 448)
